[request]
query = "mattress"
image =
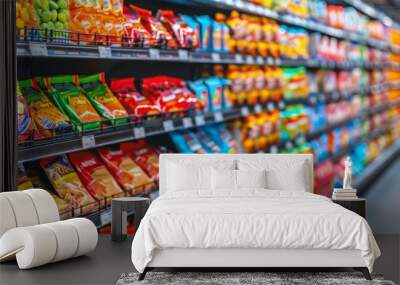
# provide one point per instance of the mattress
(250, 219)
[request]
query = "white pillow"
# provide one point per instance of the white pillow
(251, 178)
(223, 179)
(279, 180)
(188, 177)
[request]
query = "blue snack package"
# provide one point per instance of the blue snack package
(205, 32)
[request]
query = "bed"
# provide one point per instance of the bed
(246, 211)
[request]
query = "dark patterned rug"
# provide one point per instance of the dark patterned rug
(240, 278)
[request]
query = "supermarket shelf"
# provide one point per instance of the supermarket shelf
(307, 24)
(59, 50)
(79, 141)
(375, 167)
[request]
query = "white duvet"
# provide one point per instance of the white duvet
(256, 218)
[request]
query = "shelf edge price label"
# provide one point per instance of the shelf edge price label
(257, 109)
(154, 53)
(271, 106)
(260, 60)
(187, 122)
(218, 117)
(105, 217)
(105, 52)
(238, 58)
(139, 132)
(270, 61)
(278, 61)
(249, 59)
(168, 125)
(183, 54)
(244, 111)
(39, 49)
(88, 142)
(215, 57)
(281, 105)
(199, 119)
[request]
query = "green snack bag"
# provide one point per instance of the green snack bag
(95, 88)
(73, 102)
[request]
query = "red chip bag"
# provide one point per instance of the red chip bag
(128, 174)
(134, 102)
(144, 155)
(95, 176)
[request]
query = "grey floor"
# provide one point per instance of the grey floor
(110, 260)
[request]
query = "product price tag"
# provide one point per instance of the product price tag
(238, 58)
(239, 4)
(257, 109)
(278, 62)
(281, 105)
(218, 117)
(105, 52)
(270, 61)
(244, 111)
(88, 142)
(39, 49)
(154, 53)
(260, 60)
(249, 59)
(273, 149)
(271, 106)
(215, 56)
(183, 54)
(199, 119)
(168, 125)
(106, 216)
(187, 122)
(139, 132)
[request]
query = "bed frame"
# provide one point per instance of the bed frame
(242, 259)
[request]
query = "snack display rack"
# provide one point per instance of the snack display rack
(45, 46)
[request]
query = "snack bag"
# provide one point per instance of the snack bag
(200, 90)
(134, 102)
(206, 142)
(25, 15)
(67, 184)
(205, 32)
(184, 34)
(159, 34)
(215, 93)
(101, 97)
(192, 23)
(216, 36)
(127, 173)
(95, 176)
(64, 208)
(52, 14)
(83, 22)
(135, 32)
(144, 155)
(187, 142)
(46, 116)
(236, 79)
(169, 93)
(73, 102)
(225, 33)
(26, 125)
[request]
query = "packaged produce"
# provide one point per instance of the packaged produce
(70, 99)
(52, 14)
(169, 93)
(25, 15)
(47, 117)
(26, 125)
(95, 176)
(67, 184)
(160, 35)
(134, 102)
(144, 155)
(101, 97)
(183, 33)
(127, 173)
(215, 93)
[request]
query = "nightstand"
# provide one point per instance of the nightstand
(357, 206)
